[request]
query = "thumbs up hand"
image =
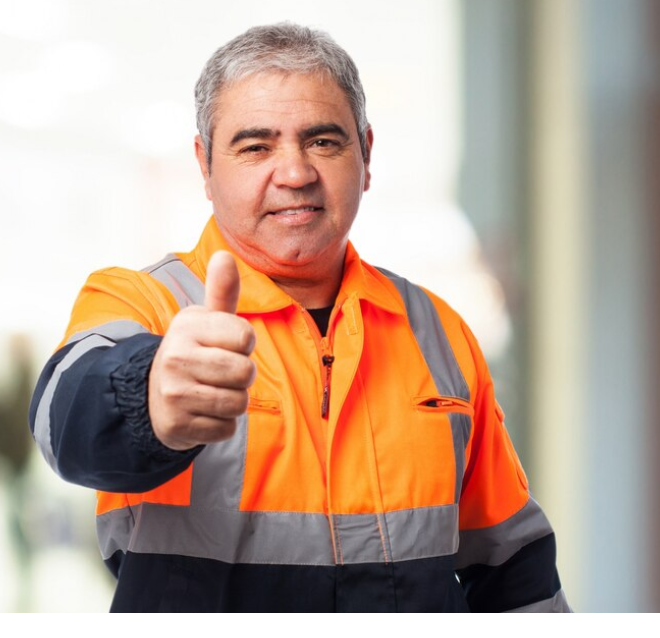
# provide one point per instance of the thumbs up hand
(200, 374)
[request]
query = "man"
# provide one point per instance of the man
(271, 423)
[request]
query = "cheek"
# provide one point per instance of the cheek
(238, 192)
(348, 198)
(343, 173)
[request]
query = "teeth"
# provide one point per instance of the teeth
(294, 211)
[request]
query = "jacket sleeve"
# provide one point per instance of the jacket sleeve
(507, 553)
(89, 413)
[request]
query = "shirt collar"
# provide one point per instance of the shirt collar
(260, 294)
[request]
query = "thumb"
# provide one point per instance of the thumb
(222, 283)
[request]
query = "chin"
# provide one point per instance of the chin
(295, 255)
(293, 260)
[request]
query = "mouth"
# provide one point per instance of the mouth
(298, 210)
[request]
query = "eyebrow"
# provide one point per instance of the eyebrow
(254, 133)
(323, 129)
(269, 133)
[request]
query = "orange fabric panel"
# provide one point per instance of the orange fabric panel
(494, 486)
(176, 491)
(117, 294)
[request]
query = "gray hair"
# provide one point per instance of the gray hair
(285, 48)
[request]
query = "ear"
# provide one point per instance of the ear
(367, 159)
(200, 153)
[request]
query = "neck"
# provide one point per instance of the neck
(311, 293)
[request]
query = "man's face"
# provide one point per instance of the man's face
(287, 173)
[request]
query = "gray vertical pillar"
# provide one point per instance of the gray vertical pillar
(617, 60)
(494, 175)
(569, 175)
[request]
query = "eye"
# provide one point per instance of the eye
(326, 146)
(253, 149)
(325, 143)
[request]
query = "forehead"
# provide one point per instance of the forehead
(278, 99)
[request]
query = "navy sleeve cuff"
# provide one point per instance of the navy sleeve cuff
(131, 382)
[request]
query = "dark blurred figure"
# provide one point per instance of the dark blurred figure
(15, 441)
(15, 449)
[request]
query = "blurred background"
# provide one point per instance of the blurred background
(516, 143)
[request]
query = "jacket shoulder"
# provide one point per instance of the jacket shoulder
(428, 307)
(119, 294)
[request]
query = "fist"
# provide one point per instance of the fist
(201, 372)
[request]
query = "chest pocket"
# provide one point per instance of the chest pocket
(440, 429)
(282, 473)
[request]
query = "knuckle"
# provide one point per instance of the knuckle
(245, 372)
(171, 391)
(231, 403)
(172, 360)
(243, 400)
(246, 337)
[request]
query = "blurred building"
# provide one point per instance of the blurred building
(561, 146)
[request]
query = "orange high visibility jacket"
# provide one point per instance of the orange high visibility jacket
(372, 470)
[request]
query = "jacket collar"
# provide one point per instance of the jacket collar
(259, 294)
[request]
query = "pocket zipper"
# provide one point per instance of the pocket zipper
(443, 404)
(264, 405)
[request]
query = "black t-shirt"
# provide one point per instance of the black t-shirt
(321, 317)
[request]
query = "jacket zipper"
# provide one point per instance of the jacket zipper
(327, 359)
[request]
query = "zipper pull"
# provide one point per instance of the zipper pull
(325, 404)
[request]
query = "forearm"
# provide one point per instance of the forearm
(511, 566)
(90, 419)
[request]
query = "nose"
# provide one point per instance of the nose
(294, 170)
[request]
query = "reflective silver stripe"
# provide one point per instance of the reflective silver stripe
(233, 537)
(461, 427)
(441, 361)
(431, 338)
(555, 605)
(495, 545)
(42, 419)
(216, 484)
(218, 472)
(283, 538)
(114, 330)
(114, 530)
(184, 285)
(359, 538)
(424, 532)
